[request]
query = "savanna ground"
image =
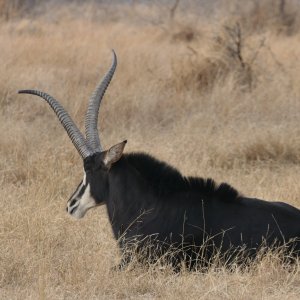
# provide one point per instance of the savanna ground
(212, 90)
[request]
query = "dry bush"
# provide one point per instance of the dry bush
(232, 47)
(280, 17)
(226, 54)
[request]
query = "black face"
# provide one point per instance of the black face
(97, 177)
(92, 190)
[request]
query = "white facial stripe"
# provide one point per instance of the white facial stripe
(81, 200)
(80, 186)
(84, 179)
(76, 193)
(87, 201)
(83, 203)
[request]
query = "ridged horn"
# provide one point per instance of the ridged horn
(91, 117)
(74, 133)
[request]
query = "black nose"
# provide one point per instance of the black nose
(67, 209)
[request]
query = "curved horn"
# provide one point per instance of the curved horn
(91, 117)
(72, 130)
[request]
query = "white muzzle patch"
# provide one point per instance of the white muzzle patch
(81, 201)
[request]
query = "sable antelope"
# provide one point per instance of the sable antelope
(148, 200)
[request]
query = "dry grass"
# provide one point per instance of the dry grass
(219, 127)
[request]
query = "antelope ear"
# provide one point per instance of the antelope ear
(114, 154)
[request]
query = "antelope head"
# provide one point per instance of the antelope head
(93, 188)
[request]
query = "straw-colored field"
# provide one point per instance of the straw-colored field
(184, 93)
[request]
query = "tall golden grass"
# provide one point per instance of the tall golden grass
(184, 93)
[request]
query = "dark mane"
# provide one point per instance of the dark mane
(166, 180)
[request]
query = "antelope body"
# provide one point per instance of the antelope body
(151, 203)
